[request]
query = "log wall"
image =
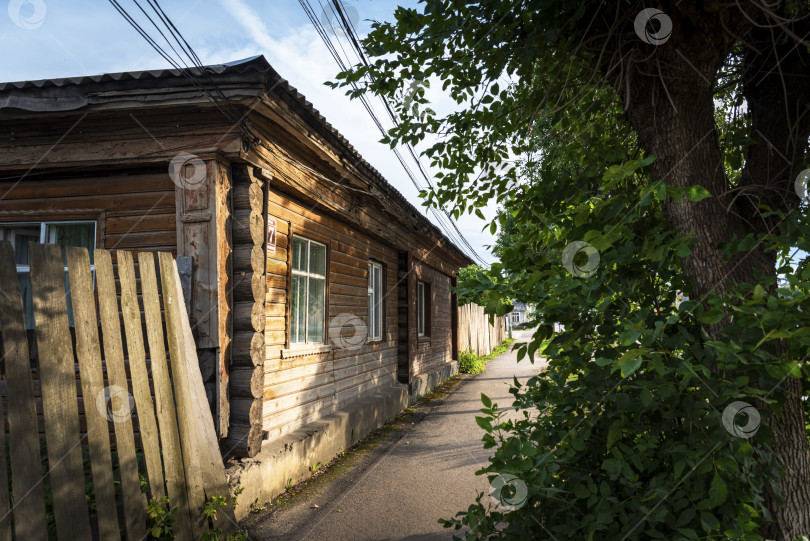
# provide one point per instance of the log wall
(249, 323)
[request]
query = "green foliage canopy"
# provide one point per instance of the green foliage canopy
(623, 435)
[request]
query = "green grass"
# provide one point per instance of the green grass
(470, 363)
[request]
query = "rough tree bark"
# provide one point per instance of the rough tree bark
(673, 114)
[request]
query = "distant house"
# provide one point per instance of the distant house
(518, 314)
(314, 287)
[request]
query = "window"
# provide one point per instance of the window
(423, 308)
(308, 292)
(63, 233)
(375, 317)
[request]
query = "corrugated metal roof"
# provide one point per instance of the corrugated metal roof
(17, 95)
(241, 66)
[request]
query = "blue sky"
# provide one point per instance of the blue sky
(66, 39)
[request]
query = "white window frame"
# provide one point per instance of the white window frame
(420, 309)
(43, 225)
(375, 298)
(308, 274)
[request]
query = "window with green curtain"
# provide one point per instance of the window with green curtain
(307, 292)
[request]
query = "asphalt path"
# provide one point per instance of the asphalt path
(423, 472)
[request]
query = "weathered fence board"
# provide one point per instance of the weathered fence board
(164, 400)
(88, 353)
(59, 403)
(176, 432)
(5, 509)
(210, 458)
(117, 397)
(26, 481)
(475, 333)
(185, 414)
(140, 377)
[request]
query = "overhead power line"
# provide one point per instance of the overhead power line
(443, 218)
(182, 57)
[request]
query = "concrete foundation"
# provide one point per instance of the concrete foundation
(422, 385)
(266, 475)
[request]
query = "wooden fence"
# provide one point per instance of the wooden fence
(173, 422)
(475, 333)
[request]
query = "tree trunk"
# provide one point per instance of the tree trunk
(674, 118)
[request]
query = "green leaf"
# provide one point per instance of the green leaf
(486, 400)
(712, 316)
(697, 193)
(718, 492)
(484, 423)
(629, 337)
(581, 491)
(628, 366)
(709, 522)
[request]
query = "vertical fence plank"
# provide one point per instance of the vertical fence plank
(58, 383)
(88, 353)
(140, 376)
(134, 501)
(172, 303)
(26, 478)
(5, 509)
(164, 399)
(214, 481)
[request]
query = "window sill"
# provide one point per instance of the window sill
(304, 350)
(423, 339)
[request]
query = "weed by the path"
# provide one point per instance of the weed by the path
(470, 363)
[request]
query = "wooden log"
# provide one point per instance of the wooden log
(256, 196)
(243, 441)
(164, 399)
(249, 316)
(88, 353)
(246, 194)
(248, 286)
(246, 410)
(248, 258)
(26, 485)
(247, 382)
(147, 425)
(248, 349)
(134, 500)
(58, 393)
(248, 227)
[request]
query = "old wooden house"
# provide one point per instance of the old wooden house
(314, 288)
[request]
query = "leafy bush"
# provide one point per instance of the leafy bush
(470, 363)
